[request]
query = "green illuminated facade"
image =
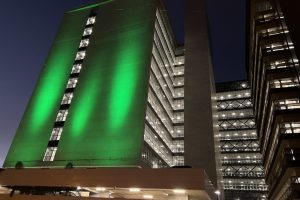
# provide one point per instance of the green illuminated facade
(110, 87)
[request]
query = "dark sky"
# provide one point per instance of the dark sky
(28, 29)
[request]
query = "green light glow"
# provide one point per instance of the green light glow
(105, 124)
(88, 102)
(50, 87)
(30, 142)
(125, 78)
(92, 6)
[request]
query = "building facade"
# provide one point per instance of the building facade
(274, 80)
(112, 93)
(242, 170)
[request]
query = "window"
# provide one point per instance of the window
(87, 31)
(62, 115)
(72, 83)
(80, 55)
(67, 98)
(50, 153)
(91, 20)
(76, 69)
(56, 133)
(84, 43)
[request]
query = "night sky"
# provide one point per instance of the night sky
(28, 29)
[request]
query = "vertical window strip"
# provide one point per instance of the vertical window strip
(72, 82)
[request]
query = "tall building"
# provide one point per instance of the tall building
(110, 94)
(242, 170)
(274, 77)
(116, 91)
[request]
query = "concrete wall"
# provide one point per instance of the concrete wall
(199, 137)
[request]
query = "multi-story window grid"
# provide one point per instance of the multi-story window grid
(242, 170)
(275, 84)
(164, 129)
(68, 95)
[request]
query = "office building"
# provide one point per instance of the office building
(242, 170)
(116, 91)
(274, 79)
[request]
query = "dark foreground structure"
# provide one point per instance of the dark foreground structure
(118, 94)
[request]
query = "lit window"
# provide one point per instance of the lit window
(67, 98)
(80, 55)
(84, 43)
(56, 133)
(62, 115)
(50, 153)
(91, 20)
(76, 69)
(87, 31)
(72, 83)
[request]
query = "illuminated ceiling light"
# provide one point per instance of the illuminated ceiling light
(148, 197)
(253, 133)
(100, 189)
(233, 114)
(244, 85)
(134, 189)
(217, 192)
(79, 188)
(179, 191)
(221, 97)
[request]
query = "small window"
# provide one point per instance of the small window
(84, 43)
(67, 98)
(56, 133)
(76, 69)
(62, 115)
(50, 154)
(91, 20)
(87, 31)
(80, 55)
(72, 83)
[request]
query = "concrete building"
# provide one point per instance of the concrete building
(117, 92)
(274, 79)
